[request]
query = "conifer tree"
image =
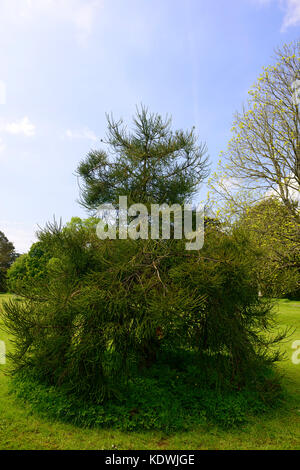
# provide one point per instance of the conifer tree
(149, 164)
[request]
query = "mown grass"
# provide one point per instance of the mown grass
(20, 428)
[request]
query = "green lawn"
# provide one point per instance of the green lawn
(22, 429)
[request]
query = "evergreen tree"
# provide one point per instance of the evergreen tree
(107, 310)
(150, 164)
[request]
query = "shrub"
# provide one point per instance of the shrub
(105, 311)
(28, 270)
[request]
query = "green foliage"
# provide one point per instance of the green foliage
(263, 155)
(166, 397)
(262, 431)
(151, 164)
(28, 269)
(108, 310)
(7, 257)
(276, 233)
(259, 174)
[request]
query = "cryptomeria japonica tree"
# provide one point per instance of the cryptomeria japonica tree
(149, 164)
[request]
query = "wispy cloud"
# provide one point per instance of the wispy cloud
(291, 9)
(292, 14)
(84, 133)
(79, 13)
(20, 127)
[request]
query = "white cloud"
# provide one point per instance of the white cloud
(23, 126)
(81, 134)
(292, 189)
(79, 13)
(291, 10)
(292, 14)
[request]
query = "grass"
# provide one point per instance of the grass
(20, 428)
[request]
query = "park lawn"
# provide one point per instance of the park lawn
(20, 428)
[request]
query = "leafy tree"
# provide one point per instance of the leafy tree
(28, 269)
(150, 164)
(34, 266)
(258, 179)
(271, 227)
(7, 257)
(263, 156)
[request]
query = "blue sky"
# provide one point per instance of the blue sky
(65, 63)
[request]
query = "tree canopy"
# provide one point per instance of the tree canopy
(272, 228)
(7, 257)
(149, 164)
(263, 155)
(258, 178)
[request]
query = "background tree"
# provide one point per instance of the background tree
(263, 156)
(7, 257)
(271, 227)
(150, 164)
(258, 178)
(28, 268)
